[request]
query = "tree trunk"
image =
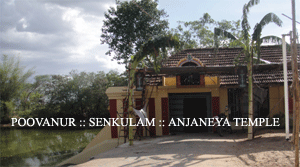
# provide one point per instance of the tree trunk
(130, 99)
(295, 86)
(250, 97)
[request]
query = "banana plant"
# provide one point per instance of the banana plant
(251, 47)
(155, 48)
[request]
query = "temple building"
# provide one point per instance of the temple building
(201, 83)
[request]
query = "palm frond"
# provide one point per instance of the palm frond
(156, 46)
(270, 18)
(224, 33)
(245, 23)
(257, 32)
(247, 6)
(252, 3)
(221, 32)
(256, 36)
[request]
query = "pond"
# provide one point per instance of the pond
(40, 147)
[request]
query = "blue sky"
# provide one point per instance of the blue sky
(230, 10)
(56, 36)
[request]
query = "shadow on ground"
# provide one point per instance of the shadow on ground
(269, 148)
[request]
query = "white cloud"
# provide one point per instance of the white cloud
(56, 36)
(111, 65)
(24, 23)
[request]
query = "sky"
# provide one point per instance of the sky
(57, 36)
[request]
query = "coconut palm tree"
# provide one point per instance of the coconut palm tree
(251, 46)
(156, 48)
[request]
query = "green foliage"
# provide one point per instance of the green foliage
(75, 95)
(200, 33)
(129, 25)
(12, 80)
(256, 36)
(116, 79)
(251, 49)
(7, 109)
(226, 34)
(12, 77)
(156, 50)
(245, 24)
(25, 113)
(270, 17)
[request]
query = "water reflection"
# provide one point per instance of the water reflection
(31, 147)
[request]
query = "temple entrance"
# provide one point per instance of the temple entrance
(195, 108)
(189, 105)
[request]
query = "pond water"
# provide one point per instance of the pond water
(32, 147)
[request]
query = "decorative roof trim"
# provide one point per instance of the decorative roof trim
(189, 58)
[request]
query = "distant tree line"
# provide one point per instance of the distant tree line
(76, 95)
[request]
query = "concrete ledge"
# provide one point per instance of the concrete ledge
(101, 143)
(104, 134)
(88, 154)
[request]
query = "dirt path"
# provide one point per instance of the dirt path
(269, 148)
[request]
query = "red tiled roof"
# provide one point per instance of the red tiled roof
(258, 78)
(226, 57)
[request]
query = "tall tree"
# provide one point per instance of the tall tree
(129, 25)
(155, 48)
(12, 78)
(251, 47)
(135, 31)
(199, 33)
